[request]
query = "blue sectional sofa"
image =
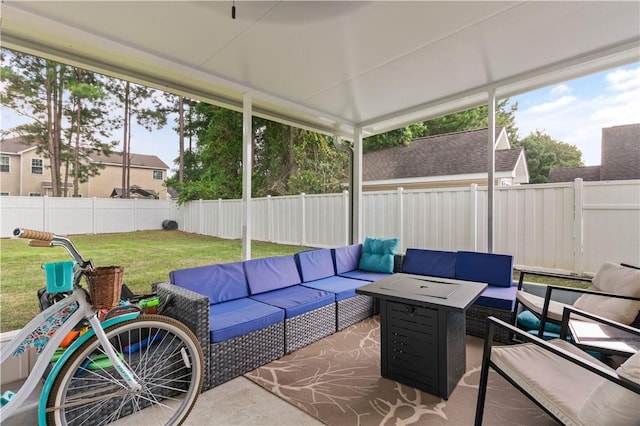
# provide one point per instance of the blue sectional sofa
(496, 270)
(246, 314)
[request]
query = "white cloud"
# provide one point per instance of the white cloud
(560, 89)
(622, 79)
(548, 107)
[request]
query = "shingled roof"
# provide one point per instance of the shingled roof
(568, 174)
(138, 160)
(14, 145)
(620, 158)
(17, 145)
(442, 155)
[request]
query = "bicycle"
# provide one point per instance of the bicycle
(147, 367)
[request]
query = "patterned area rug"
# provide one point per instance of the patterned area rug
(337, 380)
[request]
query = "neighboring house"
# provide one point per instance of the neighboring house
(620, 147)
(24, 172)
(450, 160)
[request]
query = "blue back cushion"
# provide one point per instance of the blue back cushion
(434, 263)
(220, 283)
(315, 264)
(493, 269)
(346, 258)
(377, 254)
(271, 273)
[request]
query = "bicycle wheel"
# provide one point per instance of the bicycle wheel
(164, 356)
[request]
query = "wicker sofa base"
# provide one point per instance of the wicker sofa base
(477, 320)
(309, 327)
(234, 357)
(352, 310)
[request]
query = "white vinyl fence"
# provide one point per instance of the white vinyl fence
(567, 227)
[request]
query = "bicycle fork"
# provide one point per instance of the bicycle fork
(121, 368)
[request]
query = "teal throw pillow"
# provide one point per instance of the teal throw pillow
(377, 254)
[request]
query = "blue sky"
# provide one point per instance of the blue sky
(573, 112)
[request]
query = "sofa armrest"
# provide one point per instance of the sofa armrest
(188, 307)
(398, 260)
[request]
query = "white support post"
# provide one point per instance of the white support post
(578, 229)
(491, 167)
(356, 231)
(247, 142)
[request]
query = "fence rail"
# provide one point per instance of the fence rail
(566, 227)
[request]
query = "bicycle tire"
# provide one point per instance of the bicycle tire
(169, 368)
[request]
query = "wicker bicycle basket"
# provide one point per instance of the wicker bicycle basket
(105, 286)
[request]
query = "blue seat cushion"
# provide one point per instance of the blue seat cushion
(434, 263)
(341, 286)
(346, 258)
(377, 254)
(221, 283)
(315, 264)
(296, 300)
(498, 298)
(241, 316)
(493, 269)
(369, 276)
(271, 273)
(528, 321)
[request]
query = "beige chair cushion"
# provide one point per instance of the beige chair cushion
(613, 278)
(610, 404)
(534, 303)
(559, 385)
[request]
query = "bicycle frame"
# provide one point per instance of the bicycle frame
(48, 329)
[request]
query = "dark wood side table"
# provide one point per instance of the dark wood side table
(422, 329)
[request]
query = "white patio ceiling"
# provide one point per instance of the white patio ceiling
(333, 66)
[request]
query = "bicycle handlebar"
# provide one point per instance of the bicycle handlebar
(48, 239)
(34, 235)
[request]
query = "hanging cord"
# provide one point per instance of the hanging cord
(233, 10)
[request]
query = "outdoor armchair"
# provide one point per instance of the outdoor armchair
(567, 383)
(614, 294)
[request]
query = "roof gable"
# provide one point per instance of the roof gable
(440, 155)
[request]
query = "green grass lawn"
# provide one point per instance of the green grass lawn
(146, 256)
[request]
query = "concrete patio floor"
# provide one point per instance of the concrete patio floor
(242, 402)
(238, 402)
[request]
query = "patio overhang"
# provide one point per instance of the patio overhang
(347, 69)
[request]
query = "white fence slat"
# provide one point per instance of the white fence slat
(564, 227)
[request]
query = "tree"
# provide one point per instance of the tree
(51, 95)
(286, 160)
(143, 103)
(471, 119)
(544, 153)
